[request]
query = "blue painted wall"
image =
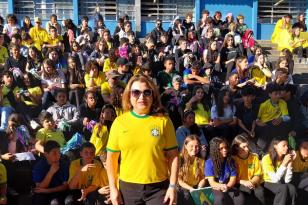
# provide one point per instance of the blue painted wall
(265, 31)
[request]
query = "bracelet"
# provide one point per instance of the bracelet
(173, 186)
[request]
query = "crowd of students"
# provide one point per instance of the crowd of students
(62, 89)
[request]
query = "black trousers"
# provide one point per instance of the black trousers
(184, 197)
(93, 198)
(300, 180)
(231, 197)
(285, 194)
(143, 194)
(300, 51)
(255, 196)
(56, 198)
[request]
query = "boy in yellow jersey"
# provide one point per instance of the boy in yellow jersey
(86, 175)
(273, 117)
(38, 34)
(55, 40)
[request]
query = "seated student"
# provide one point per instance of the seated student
(50, 176)
(124, 70)
(85, 177)
(272, 117)
(247, 111)
(189, 127)
(48, 132)
(282, 34)
(191, 171)
(100, 133)
(220, 170)
(241, 27)
(89, 113)
(260, 71)
(194, 76)
(54, 41)
(3, 52)
(164, 77)
(223, 116)
(110, 62)
(9, 96)
(277, 170)
(93, 77)
(3, 179)
(300, 171)
(283, 64)
(113, 79)
(241, 65)
(298, 45)
(180, 54)
(249, 171)
(16, 140)
(232, 87)
(75, 82)
(164, 46)
(116, 99)
(64, 114)
(248, 42)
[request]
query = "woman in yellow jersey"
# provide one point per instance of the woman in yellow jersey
(277, 169)
(249, 172)
(191, 173)
(282, 32)
(300, 171)
(145, 138)
(100, 132)
(299, 45)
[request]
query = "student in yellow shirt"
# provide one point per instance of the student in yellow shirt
(299, 46)
(145, 138)
(54, 40)
(116, 99)
(191, 172)
(38, 34)
(277, 170)
(3, 184)
(113, 79)
(110, 62)
(300, 171)
(100, 133)
(85, 177)
(249, 171)
(48, 132)
(3, 52)
(273, 117)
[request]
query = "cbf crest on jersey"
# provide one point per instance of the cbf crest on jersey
(155, 132)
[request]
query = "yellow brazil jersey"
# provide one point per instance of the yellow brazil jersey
(268, 111)
(46, 135)
(109, 66)
(3, 175)
(202, 116)
(119, 111)
(247, 168)
(258, 75)
(268, 167)
(106, 89)
(35, 91)
(98, 81)
(142, 141)
(3, 54)
(99, 138)
(192, 171)
(96, 176)
(300, 164)
(5, 91)
(55, 41)
(39, 36)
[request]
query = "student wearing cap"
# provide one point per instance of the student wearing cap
(124, 69)
(113, 79)
(38, 34)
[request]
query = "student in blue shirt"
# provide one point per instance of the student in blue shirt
(50, 176)
(220, 171)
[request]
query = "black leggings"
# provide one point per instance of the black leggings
(231, 197)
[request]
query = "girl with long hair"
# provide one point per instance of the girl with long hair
(220, 170)
(260, 71)
(249, 170)
(191, 172)
(223, 115)
(277, 168)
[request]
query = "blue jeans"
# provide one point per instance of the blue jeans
(5, 112)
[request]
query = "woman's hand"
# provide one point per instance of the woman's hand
(248, 184)
(8, 156)
(115, 197)
(104, 190)
(170, 197)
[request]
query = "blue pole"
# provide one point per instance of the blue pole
(75, 12)
(197, 10)
(254, 22)
(10, 6)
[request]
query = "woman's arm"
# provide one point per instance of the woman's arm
(39, 146)
(232, 182)
(112, 171)
(185, 185)
(173, 165)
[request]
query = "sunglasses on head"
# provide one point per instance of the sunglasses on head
(145, 93)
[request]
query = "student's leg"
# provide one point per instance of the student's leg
(237, 196)
(72, 197)
(184, 197)
(39, 199)
(222, 198)
(5, 113)
(299, 52)
(292, 194)
(259, 195)
(280, 191)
